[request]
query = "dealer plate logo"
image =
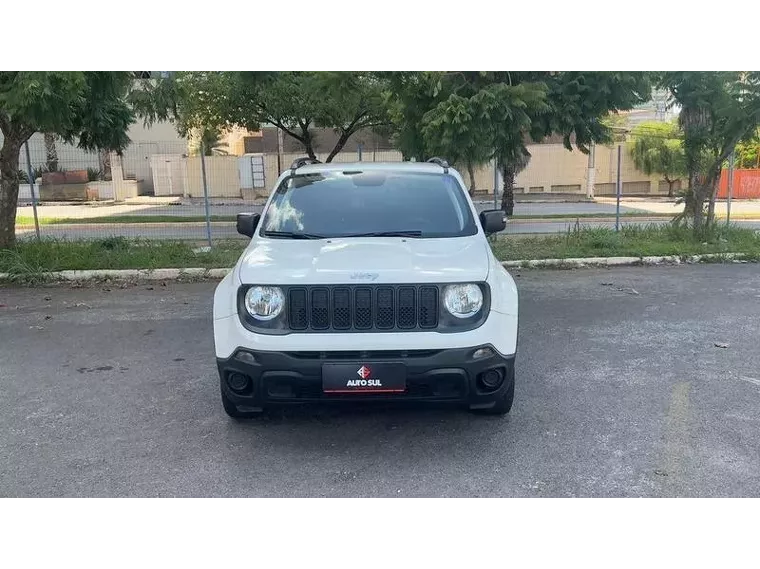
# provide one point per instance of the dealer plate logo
(364, 372)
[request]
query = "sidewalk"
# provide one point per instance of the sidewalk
(655, 205)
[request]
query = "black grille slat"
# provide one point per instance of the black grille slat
(341, 309)
(363, 308)
(320, 308)
(298, 317)
(428, 313)
(407, 307)
(385, 314)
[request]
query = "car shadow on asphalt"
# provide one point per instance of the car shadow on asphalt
(353, 424)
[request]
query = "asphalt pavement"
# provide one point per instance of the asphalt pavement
(622, 391)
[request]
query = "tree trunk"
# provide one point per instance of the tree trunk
(9, 163)
(702, 188)
(308, 141)
(339, 145)
(105, 164)
(714, 182)
(671, 183)
(51, 153)
(508, 190)
(471, 172)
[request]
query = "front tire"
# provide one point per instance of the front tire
(231, 409)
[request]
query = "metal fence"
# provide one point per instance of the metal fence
(155, 190)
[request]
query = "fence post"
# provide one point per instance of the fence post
(30, 174)
(730, 187)
(205, 194)
(618, 187)
(359, 150)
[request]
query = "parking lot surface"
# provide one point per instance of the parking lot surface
(631, 382)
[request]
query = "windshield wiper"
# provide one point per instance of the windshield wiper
(292, 235)
(409, 233)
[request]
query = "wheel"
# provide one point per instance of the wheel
(232, 410)
(503, 405)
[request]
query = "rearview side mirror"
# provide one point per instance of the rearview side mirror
(247, 222)
(493, 221)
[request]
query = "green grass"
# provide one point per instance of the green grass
(30, 260)
(631, 241)
(590, 215)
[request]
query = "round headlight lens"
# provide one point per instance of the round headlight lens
(264, 302)
(463, 300)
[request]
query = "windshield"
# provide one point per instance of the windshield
(355, 203)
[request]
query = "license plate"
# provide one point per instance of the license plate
(364, 378)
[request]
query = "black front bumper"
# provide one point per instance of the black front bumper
(431, 375)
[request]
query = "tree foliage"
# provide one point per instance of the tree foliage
(581, 102)
(718, 110)
(500, 113)
(295, 102)
(408, 97)
(87, 108)
(747, 153)
(457, 131)
(657, 149)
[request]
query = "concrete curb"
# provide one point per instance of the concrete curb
(131, 274)
(201, 273)
(584, 262)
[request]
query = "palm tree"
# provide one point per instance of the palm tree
(511, 165)
(105, 164)
(51, 153)
(211, 139)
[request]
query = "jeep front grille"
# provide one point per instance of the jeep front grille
(363, 307)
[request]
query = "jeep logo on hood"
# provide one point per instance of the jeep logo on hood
(364, 276)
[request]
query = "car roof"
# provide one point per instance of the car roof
(423, 167)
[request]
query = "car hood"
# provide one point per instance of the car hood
(364, 260)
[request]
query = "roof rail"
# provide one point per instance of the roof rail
(441, 162)
(298, 162)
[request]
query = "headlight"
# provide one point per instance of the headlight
(264, 302)
(463, 300)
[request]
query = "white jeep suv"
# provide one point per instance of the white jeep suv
(367, 281)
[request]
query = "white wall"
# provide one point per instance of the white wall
(161, 138)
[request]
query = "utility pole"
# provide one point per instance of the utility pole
(730, 187)
(591, 176)
(618, 187)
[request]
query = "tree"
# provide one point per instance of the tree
(89, 108)
(511, 110)
(617, 123)
(452, 129)
(578, 105)
(210, 139)
(408, 96)
(656, 148)
(295, 102)
(747, 153)
(191, 100)
(504, 111)
(718, 110)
